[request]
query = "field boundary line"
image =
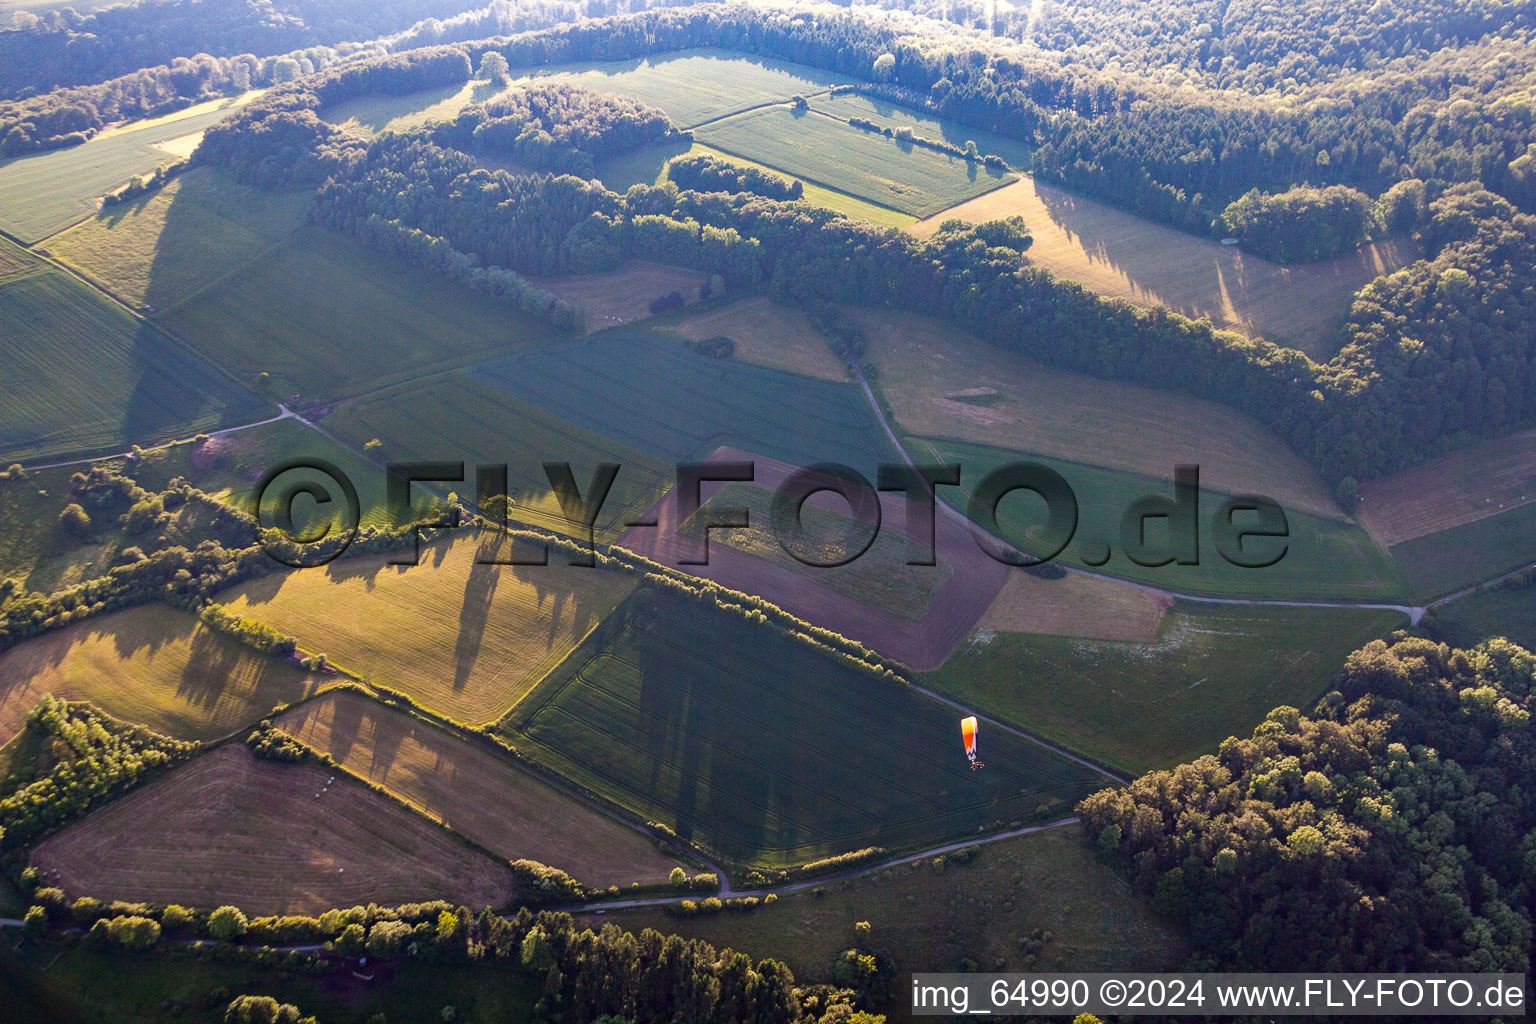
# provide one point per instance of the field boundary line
(756, 106)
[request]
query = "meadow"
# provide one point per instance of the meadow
(767, 750)
(463, 639)
(691, 86)
(655, 396)
(1076, 605)
(1212, 672)
(766, 334)
(152, 665)
(43, 193)
(457, 416)
(622, 296)
(651, 164)
(161, 247)
(231, 829)
(1507, 610)
(502, 807)
(1442, 563)
(1121, 255)
(84, 376)
(844, 106)
(822, 149)
(1324, 559)
(326, 317)
(937, 918)
(939, 381)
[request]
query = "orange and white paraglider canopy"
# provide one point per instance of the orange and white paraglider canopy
(968, 733)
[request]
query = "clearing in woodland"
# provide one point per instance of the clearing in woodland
(465, 639)
(770, 750)
(151, 665)
(625, 295)
(820, 148)
(482, 795)
(269, 838)
(1121, 255)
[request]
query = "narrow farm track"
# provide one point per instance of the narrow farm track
(725, 889)
(285, 414)
(1414, 612)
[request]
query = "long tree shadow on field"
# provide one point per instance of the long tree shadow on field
(474, 610)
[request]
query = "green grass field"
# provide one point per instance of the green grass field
(766, 750)
(657, 397)
(165, 245)
(464, 639)
(1326, 558)
(83, 375)
(152, 665)
(879, 578)
(695, 86)
(1506, 610)
(1049, 881)
(1450, 560)
(649, 165)
(457, 416)
(326, 316)
(889, 115)
(823, 150)
(1213, 672)
(45, 192)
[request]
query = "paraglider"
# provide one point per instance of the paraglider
(968, 733)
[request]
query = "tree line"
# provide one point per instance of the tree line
(702, 172)
(1393, 397)
(1392, 829)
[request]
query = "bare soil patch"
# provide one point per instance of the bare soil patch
(479, 794)
(1462, 487)
(231, 829)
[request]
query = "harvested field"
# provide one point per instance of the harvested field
(231, 829)
(1211, 672)
(161, 247)
(327, 316)
(820, 148)
(461, 415)
(769, 750)
(1075, 605)
(152, 665)
(767, 334)
(654, 396)
(625, 295)
(1121, 255)
(914, 614)
(1467, 485)
(942, 382)
(464, 639)
(84, 376)
(485, 797)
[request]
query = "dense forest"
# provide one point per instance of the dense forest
(1393, 829)
(62, 47)
(555, 127)
(701, 172)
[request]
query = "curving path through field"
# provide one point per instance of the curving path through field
(1414, 612)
